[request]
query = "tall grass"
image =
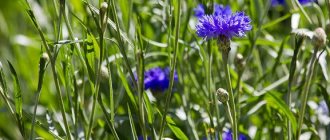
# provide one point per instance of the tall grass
(73, 69)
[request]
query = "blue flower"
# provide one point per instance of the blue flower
(199, 10)
(228, 136)
(141, 138)
(221, 23)
(282, 2)
(323, 107)
(158, 79)
(219, 10)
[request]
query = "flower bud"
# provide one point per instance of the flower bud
(239, 61)
(45, 56)
(43, 61)
(104, 73)
(319, 38)
(103, 17)
(222, 95)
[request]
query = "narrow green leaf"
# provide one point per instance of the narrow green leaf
(149, 108)
(127, 87)
(3, 81)
(278, 104)
(18, 99)
(131, 122)
(175, 129)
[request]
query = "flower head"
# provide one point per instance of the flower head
(282, 2)
(158, 79)
(220, 10)
(199, 10)
(228, 136)
(223, 24)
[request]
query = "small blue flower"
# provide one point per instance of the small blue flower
(228, 136)
(158, 79)
(223, 24)
(282, 2)
(141, 138)
(323, 107)
(219, 10)
(199, 10)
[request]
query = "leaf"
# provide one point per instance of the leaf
(18, 99)
(175, 129)
(131, 122)
(127, 87)
(149, 108)
(280, 105)
(3, 81)
(92, 42)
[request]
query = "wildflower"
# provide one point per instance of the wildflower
(222, 94)
(323, 113)
(228, 136)
(219, 10)
(157, 79)
(141, 138)
(223, 23)
(199, 11)
(319, 38)
(282, 2)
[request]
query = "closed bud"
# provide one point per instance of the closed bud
(104, 7)
(45, 56)
(222, 95)
(319, 38)
(104, 73)
(103, 13)
(239, 61)
(43, 61)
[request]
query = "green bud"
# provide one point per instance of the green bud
(319, 38)
(222, 95)
(239, 62)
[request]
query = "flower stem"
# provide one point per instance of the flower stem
(173, 63)
(298, 43)
(305, 92)
(225, 53)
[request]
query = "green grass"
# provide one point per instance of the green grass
(92, 83)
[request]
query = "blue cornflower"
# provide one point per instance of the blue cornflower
(157, 79)
(223, 24)
(219, 10)
(228, 136)
(141, 138)
(282, 2)
(199, 10)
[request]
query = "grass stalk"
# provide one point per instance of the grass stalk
(52, 62)
(225, 53)
(101, 29)
(298, 43)
(305, 92)
(168, 94)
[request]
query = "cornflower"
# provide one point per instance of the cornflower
(223, 25)
(158, 79)
(228, 136)
(282, 2)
